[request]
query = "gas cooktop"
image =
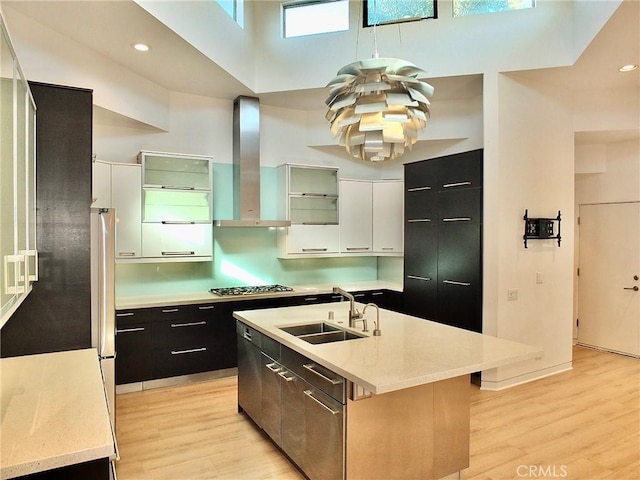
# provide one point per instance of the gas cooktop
(252, 290)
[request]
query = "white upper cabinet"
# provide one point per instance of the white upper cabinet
(176, 206)
(126, 198)
(356, 216)
(309, 199)
(388, 217)
(371, 217)
(18, 254)
(101, 184)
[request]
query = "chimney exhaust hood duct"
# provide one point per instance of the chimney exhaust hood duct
(246, 167)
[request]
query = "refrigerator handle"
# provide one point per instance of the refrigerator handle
(106, 287)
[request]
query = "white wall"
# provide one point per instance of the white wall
(528, 165)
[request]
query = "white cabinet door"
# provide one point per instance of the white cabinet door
(388, 213)
(126, 199)
(356, 220)
(168, 241)
(101, 184)
(312, 239)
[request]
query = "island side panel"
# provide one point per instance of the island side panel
(391, 435)
(451, 411)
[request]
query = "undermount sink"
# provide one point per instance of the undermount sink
(322, 332)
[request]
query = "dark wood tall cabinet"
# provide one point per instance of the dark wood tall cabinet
(443, 240)
(56, 315)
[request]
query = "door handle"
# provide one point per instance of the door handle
(634, 288)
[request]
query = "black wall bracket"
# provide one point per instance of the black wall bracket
(541, 228)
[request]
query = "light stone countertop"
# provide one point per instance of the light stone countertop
(54, 412)
(171, 299)
(410, 351)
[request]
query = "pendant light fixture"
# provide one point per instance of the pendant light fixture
(378, 105)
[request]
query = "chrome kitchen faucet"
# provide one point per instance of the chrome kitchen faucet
(354, 314)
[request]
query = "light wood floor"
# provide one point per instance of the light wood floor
(583, 425)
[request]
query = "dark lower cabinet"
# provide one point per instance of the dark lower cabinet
(443, 240)
(161, 342)
(94, 470)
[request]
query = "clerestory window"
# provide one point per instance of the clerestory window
(309, 17)
(462, 8)
(380, 12)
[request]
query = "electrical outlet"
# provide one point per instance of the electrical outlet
(512, 294)
(539, 277)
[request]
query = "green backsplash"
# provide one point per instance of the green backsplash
(241, 256)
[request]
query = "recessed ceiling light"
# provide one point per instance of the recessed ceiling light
(141, 47)
(628, 68)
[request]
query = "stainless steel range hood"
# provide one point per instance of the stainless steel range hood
(246, 167)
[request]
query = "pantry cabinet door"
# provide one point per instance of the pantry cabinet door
(388, 214)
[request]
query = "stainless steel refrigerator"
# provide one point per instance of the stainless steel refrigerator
(103, 325)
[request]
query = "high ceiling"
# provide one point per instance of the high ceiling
(109, 27)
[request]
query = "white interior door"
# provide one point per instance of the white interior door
(608, 285)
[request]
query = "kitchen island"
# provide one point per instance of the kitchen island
(55, 422)
(402, 408)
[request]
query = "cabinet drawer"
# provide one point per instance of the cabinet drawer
(329, 382)
(133, 316)
(171, 362)
(182, 333)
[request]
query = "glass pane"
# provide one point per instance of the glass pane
(311, 18)
(392, 11)
(176, 206)
(228, 6)
(7, 220)
(31, 174)
(176, 172)
(476, 7)
(314, 210)
(314, 181)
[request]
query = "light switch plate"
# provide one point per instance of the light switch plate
(512, 294)
(539, 277)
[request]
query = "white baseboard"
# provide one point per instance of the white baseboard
(526, 378)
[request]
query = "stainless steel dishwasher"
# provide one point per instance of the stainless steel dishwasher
(249, 377)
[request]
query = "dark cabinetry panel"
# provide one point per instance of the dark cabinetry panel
(56, 315)
(443, 256)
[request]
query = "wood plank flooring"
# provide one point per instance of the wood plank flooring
(583, 424)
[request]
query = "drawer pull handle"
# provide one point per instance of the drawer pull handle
(457, 219)
(177, 254)
(169, 310)
(332, 381)
(206, 307)
(462, 284)
(457, 184)
(274, 367)
(309, 394)
(351, 249)
(126, 254)
(387, 249)
(314, 249)
(190, 324)
(415, 277)
(418, 189)
(418, 220)
(310, 299)
(129, 330)
(177, 222)
(126, 314)
(247, 336)
(176, 187)
(193, 350)
(356, 295)
(377, 293)
(283, 374)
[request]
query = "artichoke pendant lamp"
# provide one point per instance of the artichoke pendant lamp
(377, 106)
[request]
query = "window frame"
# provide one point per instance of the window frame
(365, 16)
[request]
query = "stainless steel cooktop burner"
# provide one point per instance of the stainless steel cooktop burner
(251, 290)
